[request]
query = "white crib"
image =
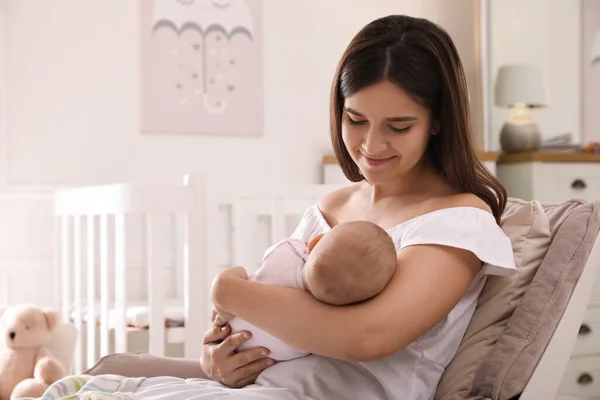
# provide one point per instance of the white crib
(181, 236)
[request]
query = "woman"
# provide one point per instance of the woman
(400, 129)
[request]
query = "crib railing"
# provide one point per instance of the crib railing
(221, 224)
(91, 233)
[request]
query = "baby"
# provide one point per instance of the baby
(351, 263)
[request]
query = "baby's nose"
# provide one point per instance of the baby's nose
(12, 335)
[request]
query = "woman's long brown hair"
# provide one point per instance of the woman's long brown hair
(420, 57)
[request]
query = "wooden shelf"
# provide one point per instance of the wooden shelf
(329, 159)
(547, 156)
(482, 155)
(487, 155)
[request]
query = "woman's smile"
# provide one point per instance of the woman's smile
(377, 161)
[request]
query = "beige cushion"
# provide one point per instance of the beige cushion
(506, 369)
(529, 231)
(557, 212)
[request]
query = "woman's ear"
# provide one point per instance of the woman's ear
(435, 127)
(314, 241)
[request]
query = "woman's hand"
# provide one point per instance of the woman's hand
(221, 363)
(220, 359)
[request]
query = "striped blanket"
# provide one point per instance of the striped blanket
(306, 378)
(115, 387)
(104, 387)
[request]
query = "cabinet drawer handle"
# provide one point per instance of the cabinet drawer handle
(585, 379)
(578, 184)
(584, 329)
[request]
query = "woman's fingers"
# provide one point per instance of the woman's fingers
(219, 320)
(248, 373)
(250, 379)
(216, 334)
(246, 381)
(231, 343)
(223, 363)
(246, 357)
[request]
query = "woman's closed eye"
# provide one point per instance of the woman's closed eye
(397, 129)
(403, 129)
(392, 128)
(356, 122)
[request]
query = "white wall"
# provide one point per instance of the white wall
(73, 95)
(26, 248)
(72, 74)
(3, 31)
(546, 33)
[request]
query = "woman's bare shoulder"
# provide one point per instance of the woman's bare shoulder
(331, 203)
(459, 200)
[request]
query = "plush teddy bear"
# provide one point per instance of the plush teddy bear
(27, 366)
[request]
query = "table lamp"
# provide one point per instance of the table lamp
(520, 87)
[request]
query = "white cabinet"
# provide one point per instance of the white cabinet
(551, 181)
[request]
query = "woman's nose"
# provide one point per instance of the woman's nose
(374, 143)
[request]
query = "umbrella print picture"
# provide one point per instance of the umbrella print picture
(201, 67)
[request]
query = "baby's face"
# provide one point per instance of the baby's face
(310, 246)
(342, 239)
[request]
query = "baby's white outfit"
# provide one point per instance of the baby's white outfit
(281, 265)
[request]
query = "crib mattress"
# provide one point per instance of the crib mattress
(137, 315)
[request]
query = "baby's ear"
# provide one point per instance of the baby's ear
(314, 241)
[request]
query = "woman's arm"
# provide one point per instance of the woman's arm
(428, 282)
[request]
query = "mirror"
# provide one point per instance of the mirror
(546, 34)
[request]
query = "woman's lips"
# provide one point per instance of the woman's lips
(376, 162)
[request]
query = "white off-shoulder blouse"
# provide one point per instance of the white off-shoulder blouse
(414, 372)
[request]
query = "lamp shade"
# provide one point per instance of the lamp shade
(524, 84)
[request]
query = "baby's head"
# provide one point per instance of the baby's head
(353, 262)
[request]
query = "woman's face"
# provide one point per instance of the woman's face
(385, 131)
